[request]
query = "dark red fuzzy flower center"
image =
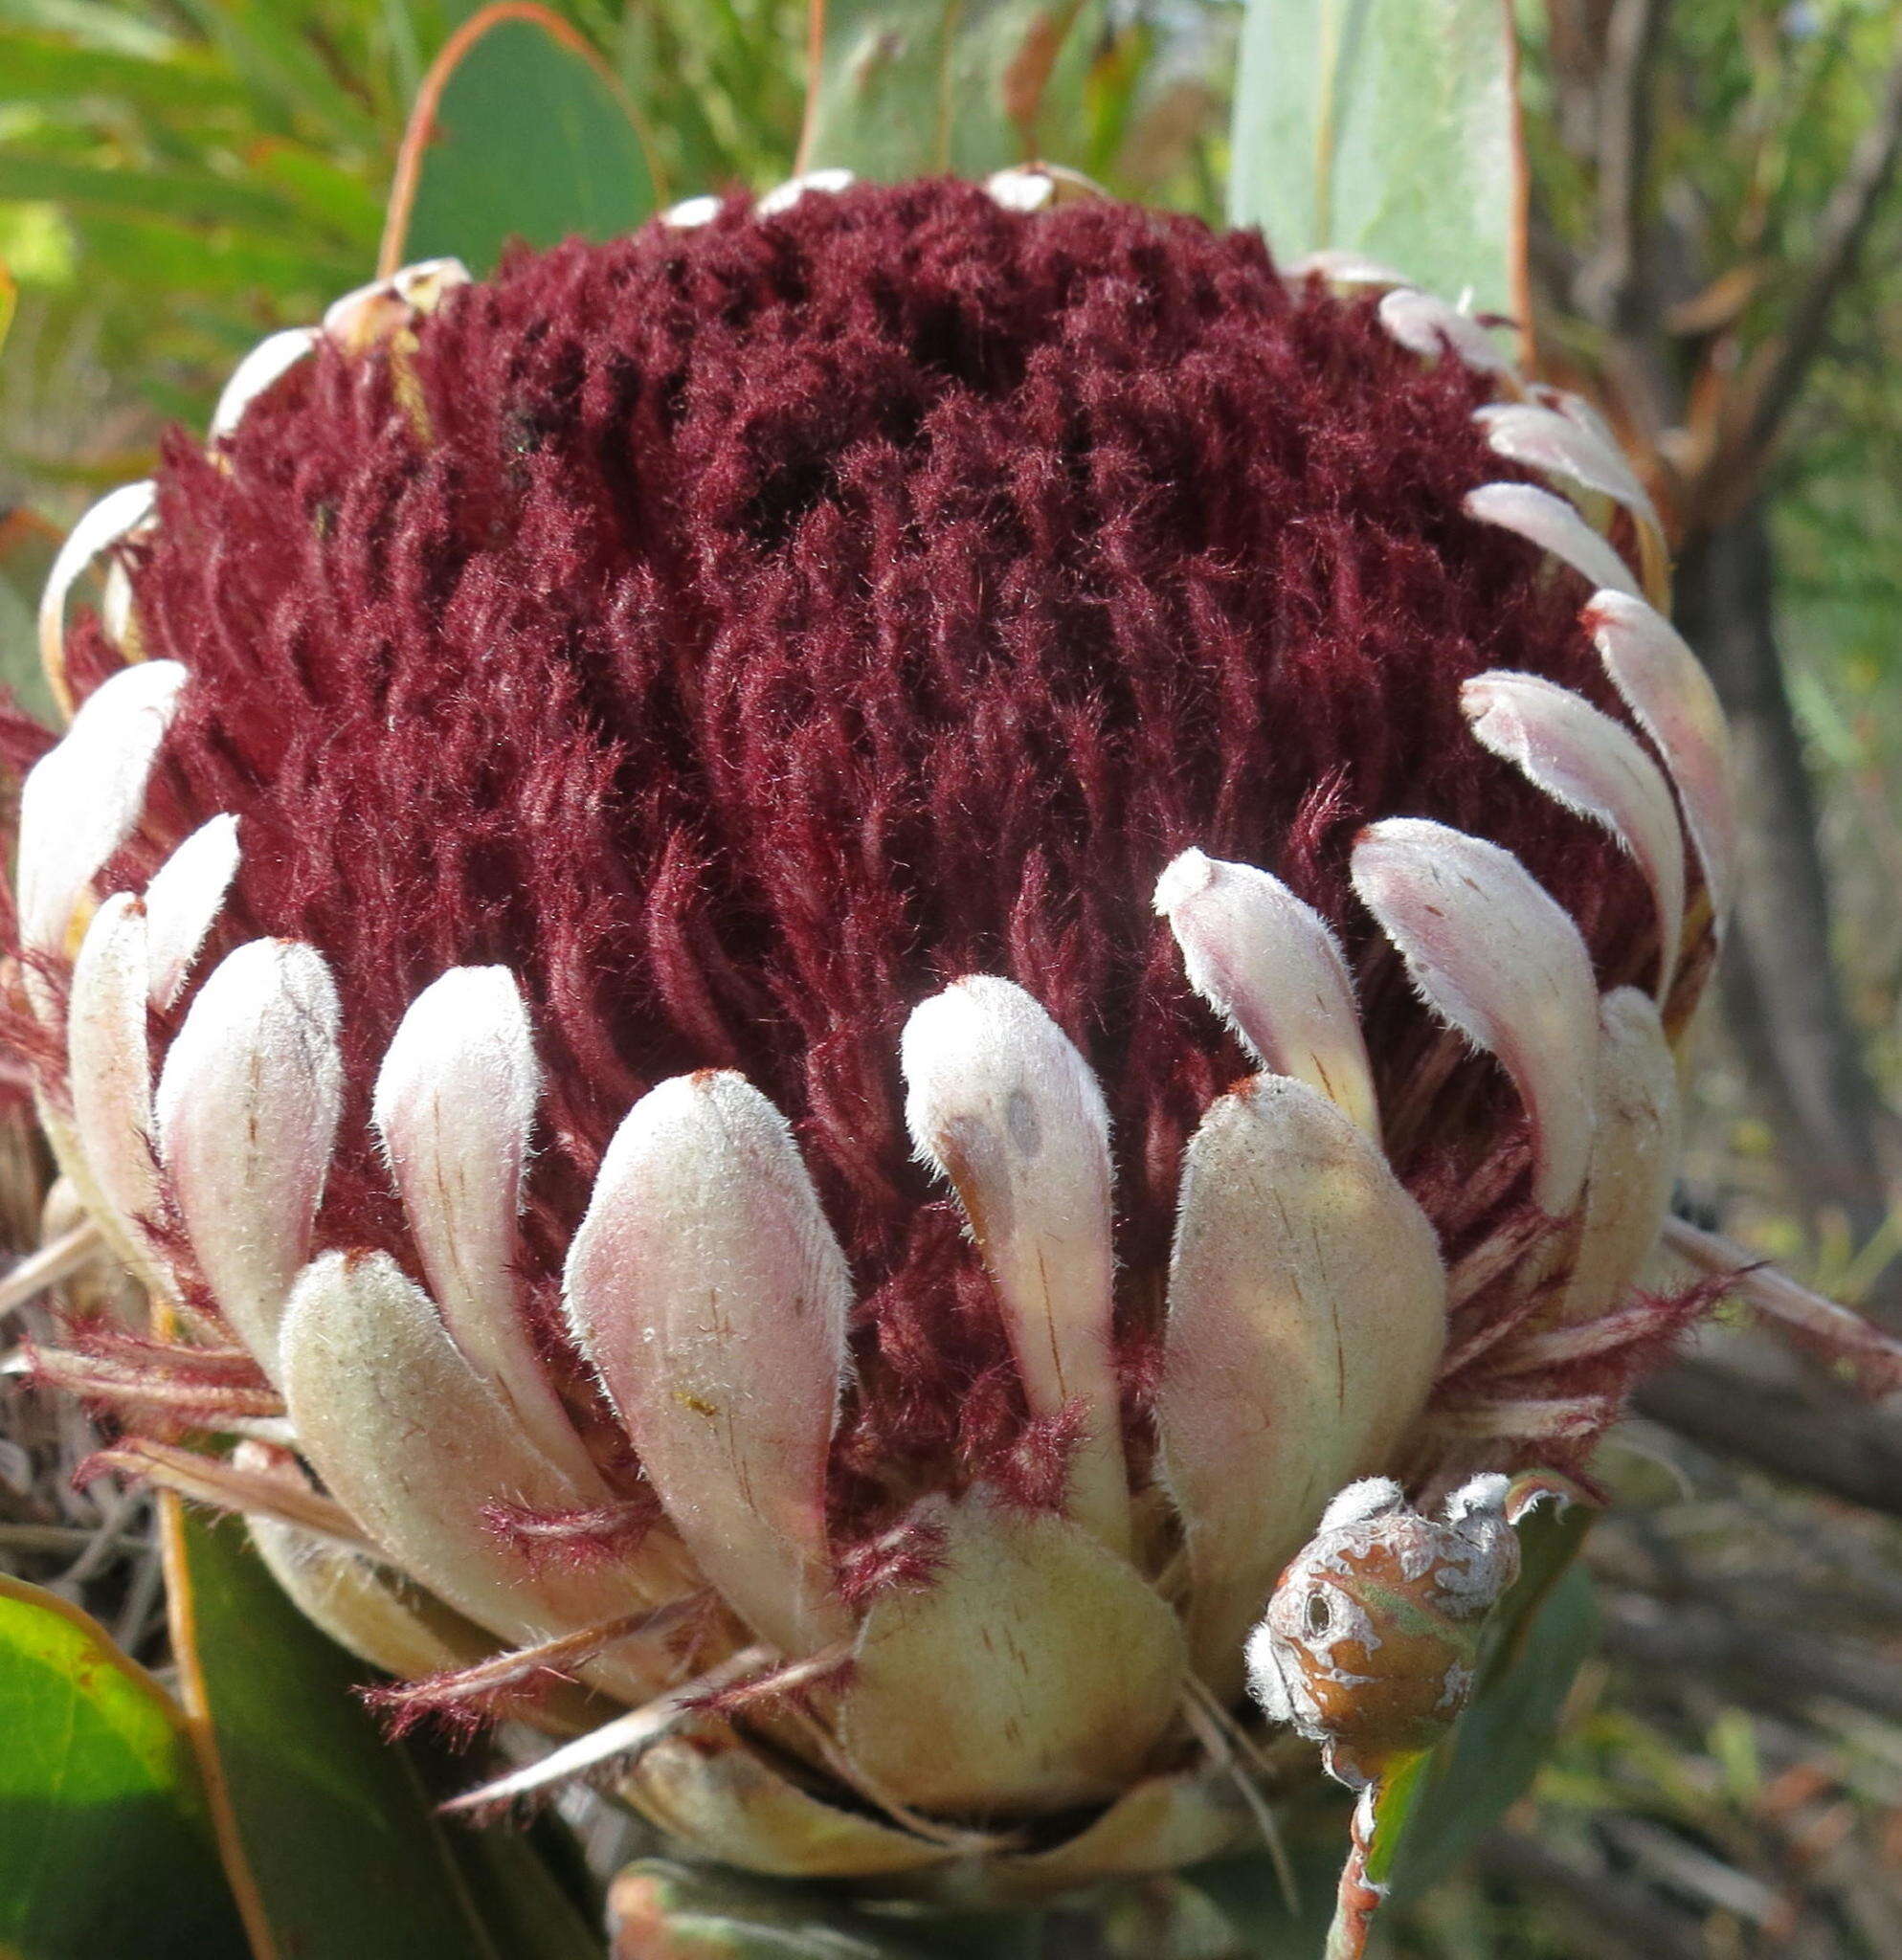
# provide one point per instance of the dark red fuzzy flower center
(741, 631)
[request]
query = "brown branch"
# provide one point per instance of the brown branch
(1694, 1638)
(1610, 287)
(1821, 1326)
(1831, 1440)
(1841, 232)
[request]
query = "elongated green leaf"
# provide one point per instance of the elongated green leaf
(904, 88)
(329, 1826)
(158, 193)
(93, 23)
(106, 1844)
(40, 68)
(279, 54)
(1387, 127)
(335, 197)
(155, 254)
(522, 136)
(1547, 1626)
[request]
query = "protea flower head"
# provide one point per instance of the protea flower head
(828, 952)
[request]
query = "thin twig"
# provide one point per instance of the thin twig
(1839, 1331)
(1611, 282)
(47, 1267)
(1841, 233)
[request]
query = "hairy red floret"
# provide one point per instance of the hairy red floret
(738, 632)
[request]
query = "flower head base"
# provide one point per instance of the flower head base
(853, 938)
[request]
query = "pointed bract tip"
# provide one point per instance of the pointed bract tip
(258, 373)
(184, 897)
(1428, 326)
(82, 799)
(1553, 525)
(1497, 958)
(1183, 878)
(1371, 1497)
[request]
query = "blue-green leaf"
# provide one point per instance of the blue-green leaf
(1385, 127)
(520, 131)
(906, 88)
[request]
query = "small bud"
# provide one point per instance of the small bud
(1371, 1640)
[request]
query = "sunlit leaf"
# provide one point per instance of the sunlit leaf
(328, 1829)
(92, 24)
(196, 195)
(106, 1844)
(1386, 127)
(156, 254)
(40, 68)
(280, 53)
(330, 194)
(904, 88)
(520, 131)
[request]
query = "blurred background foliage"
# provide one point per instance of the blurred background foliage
(1716, 254)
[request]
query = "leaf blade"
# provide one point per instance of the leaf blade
(906, 88)
(98, 1775)
(302, 1766)
(1388, 128)
(520, 131)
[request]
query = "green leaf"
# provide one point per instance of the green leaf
(181, 264)
(1388, 127)
(105, 1845)
(93, 23)
(40, 68)
(1547, 1625)
(520, 134)
(279, 54)
(327, 1828)
(904, 88)
(156, 193)
(332, 196)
